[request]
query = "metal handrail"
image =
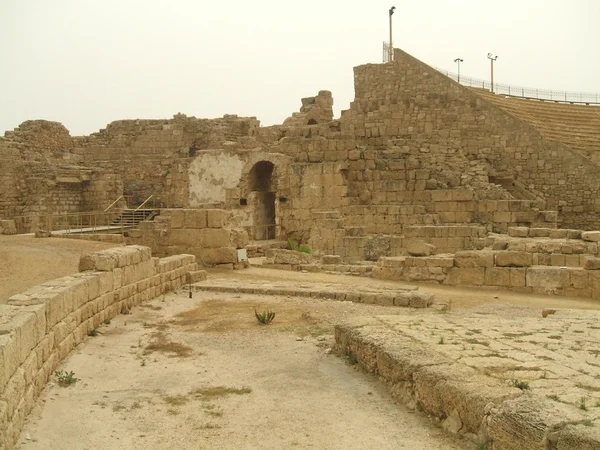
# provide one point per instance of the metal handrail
(145, 201)
(587, 98)
(113, 203)
(67, 222)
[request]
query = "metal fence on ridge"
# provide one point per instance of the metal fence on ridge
(525, 92)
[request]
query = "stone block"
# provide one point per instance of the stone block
(420, 299)
(177, 218)
(474, 258)
(331, 259)
(517, 277)
(217, 218)
(223, 255)
(574, 234)
(8, 227)
(518, 231)
(591, 263)
(195, 219)
(467, 276)
(591, 236)
(196, 276)
(215, 237)
(539, 232)
(547, 277)
(513, 259)
(281, 256)
(558, 234)
(497, 276)
(416, 247)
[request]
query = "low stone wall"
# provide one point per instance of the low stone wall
(511, 270)
(204, 233)
(39, 327)
(456, 388)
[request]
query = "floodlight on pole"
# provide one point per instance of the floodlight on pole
(492, 58)
(458, 60)
(391, 47)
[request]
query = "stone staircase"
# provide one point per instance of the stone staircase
(132, 217)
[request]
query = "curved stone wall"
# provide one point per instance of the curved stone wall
(40, 327)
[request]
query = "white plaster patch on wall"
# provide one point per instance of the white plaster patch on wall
(210, 174)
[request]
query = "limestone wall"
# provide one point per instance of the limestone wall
(409, 99)
(205, 233)
(39, 327)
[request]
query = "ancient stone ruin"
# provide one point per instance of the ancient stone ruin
(421, 179)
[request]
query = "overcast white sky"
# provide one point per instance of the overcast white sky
(86, 63)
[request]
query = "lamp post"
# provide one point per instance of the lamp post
(391, 48)
(458, 60)
(492, 58)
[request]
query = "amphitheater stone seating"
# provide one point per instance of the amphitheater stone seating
(577, 126)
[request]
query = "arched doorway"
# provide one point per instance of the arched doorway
(263, 199)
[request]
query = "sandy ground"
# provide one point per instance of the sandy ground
(26, 261)
(203, 373)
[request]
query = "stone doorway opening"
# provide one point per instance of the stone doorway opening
(263, 199)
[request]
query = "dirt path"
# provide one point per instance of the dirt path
(202, 373)
(26, 261)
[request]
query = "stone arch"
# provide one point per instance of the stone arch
(260, 177)
(312, 122)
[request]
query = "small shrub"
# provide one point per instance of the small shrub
(305, 249)
(582, 404)
(93, 332)
(265, 317)
(65, 379)
(441, 341)
(523, 385)
(293, 245)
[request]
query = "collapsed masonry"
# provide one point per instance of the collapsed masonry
(417, 156)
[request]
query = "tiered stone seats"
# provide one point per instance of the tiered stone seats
(577, 126)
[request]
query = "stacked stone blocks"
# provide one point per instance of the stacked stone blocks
(39, 327)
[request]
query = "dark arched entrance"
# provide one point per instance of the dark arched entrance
(263, 200)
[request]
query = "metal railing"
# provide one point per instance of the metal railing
(68, 223)
(525, 92)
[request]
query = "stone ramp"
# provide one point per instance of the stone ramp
(398, 296)
(513, 380)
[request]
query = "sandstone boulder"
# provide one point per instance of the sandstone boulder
(591, 236)
(514, 259)
(8, 227)
(280, 256)
(473, 258)
(417, 247)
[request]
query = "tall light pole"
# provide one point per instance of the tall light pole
(458, 60)
(492, 58)
(391, 48)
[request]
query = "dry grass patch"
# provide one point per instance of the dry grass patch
(212, 392)
(175, 400)
(162, 344)
(227, 315)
